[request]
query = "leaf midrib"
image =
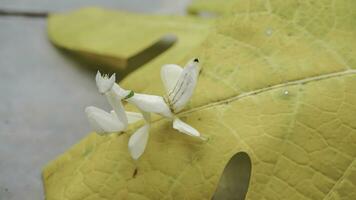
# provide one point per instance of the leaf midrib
(266, 89)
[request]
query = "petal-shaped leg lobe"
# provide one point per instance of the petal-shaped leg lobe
(185, 128)
(138, 141)
(102, 121)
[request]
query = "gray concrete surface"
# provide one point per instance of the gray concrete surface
(151, 6)
(43, 94)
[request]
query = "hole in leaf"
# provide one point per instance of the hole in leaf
(235, 179)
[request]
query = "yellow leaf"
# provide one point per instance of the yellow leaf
(114, 38)
(278, 85)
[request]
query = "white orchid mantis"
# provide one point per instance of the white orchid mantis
(115, 121)
(179, 84)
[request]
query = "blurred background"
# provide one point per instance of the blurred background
(43, 92)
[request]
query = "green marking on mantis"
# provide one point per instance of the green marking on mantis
(131, 94)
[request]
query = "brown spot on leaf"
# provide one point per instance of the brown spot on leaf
(135, 173)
